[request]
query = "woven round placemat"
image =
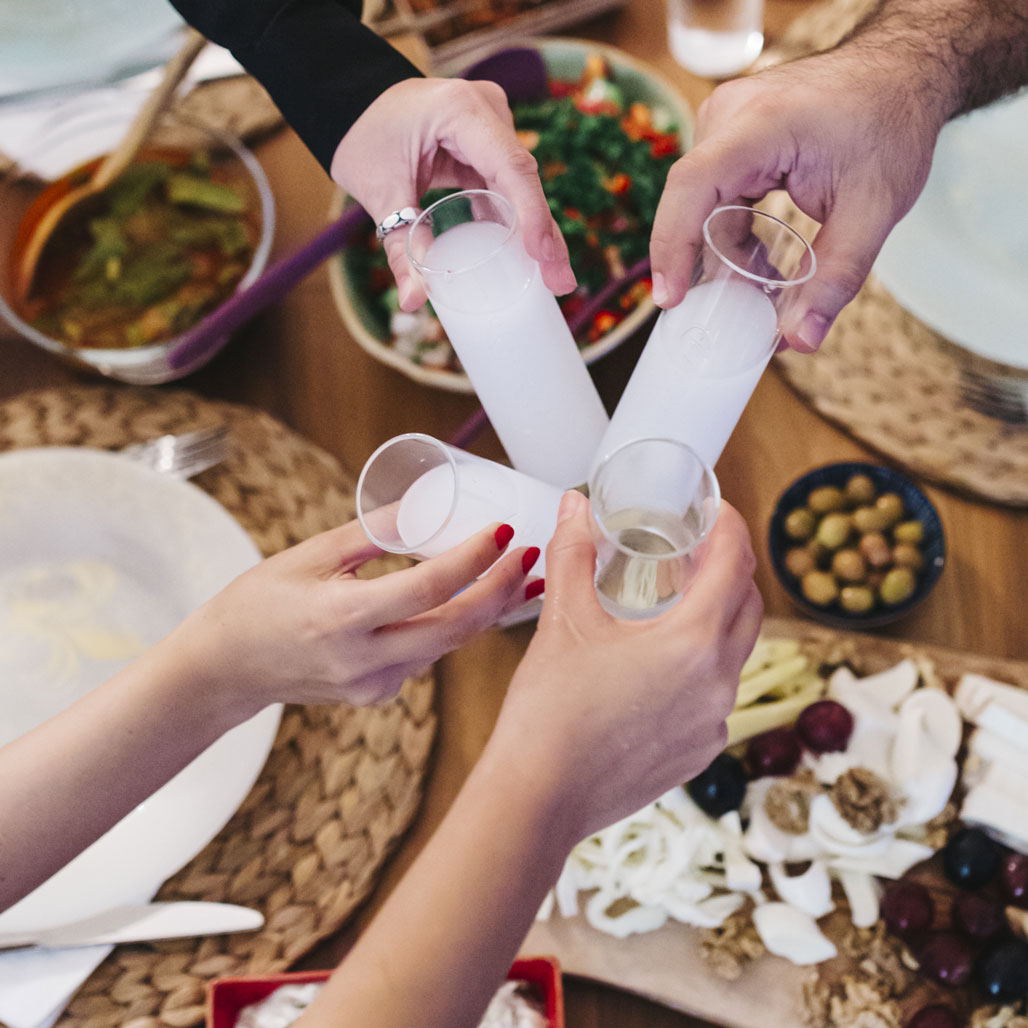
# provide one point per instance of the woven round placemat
(341, 785)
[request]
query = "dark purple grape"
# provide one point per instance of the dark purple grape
(721, 787)
(1013, 870)
(774, 753)
(935, 1015)
(947, 958)
(907, 909)
(970, 859)
(825, 726)
(1002, 971)
(978, 916)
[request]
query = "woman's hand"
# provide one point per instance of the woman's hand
(607, 714)
(425, 132)
(301, 627)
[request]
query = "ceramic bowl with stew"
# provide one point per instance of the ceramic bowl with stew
(128, 273)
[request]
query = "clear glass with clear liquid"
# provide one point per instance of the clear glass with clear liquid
(648, 569)
(715, 38)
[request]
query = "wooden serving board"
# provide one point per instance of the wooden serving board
(666, 965)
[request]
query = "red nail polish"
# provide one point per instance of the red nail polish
(528, 559)
(533, 589)
(504, 534)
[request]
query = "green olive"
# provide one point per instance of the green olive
(891, 506)
(826, 498)
(909, 532)
(834, 530)
(907, 555)
(870, 519)
(819, 588)
(860, 491)
(875, 550)
(849, 566)
(897, 586)
(800, 524)
(821, 554)
(857, 599)
(799, 560)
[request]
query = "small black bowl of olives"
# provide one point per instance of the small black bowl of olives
(856, 545)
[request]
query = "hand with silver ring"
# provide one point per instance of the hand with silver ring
(422, 133)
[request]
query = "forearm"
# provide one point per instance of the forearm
(958, 54)
(320, 65)
(447, 935)
(73, 777)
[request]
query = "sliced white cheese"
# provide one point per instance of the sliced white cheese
(890, 687)
(788, 932)
(810, 892)
(998, 718)
(862, 895)
(837, 836)
(1002, 816)
(974, 691)
(988, 746)
(632, 921)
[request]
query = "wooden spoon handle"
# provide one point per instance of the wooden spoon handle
(174, 71)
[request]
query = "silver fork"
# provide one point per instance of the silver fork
(1003, 399)
(183, 455)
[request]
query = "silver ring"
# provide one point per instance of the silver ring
(398, 219)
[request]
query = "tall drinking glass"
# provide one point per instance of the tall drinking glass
(653, 503)
(420, 496)
(510, 335)
(704, 357)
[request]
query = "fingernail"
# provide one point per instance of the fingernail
(568, 505)
(528, 559)
(533, 589)
(813, 329)
(548, 248)
(503, 535)
(404, 293)
(659, 289)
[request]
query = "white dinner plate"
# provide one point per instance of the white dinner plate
(959, 259)
(47, 44)
(99, 559)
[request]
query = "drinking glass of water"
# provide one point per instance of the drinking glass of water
(654, 502)
(510, 335)
(419, 496)
(704, 357)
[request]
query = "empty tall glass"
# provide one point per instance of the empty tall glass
(510, 335)
(705, 356)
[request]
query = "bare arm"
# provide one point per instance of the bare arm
(849, 133)
(601, 717)
(299, 628)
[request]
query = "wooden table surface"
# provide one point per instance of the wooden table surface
(297, 362)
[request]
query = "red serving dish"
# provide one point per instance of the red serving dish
(227, 996)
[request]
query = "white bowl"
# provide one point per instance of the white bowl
(564, 59)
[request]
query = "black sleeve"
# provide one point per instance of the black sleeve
(320, 65)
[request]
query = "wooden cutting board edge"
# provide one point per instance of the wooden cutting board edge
(666, 966)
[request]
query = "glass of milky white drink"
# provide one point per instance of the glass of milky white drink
(510, 335)
(704, 357)
(654, 502)
(420, 496)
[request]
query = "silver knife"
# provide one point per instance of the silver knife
(141, 922)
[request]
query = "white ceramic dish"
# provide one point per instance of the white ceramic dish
(565, 59)
(100, 558)
(49, 44)
(959, 259)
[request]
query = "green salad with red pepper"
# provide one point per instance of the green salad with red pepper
(603, 163)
